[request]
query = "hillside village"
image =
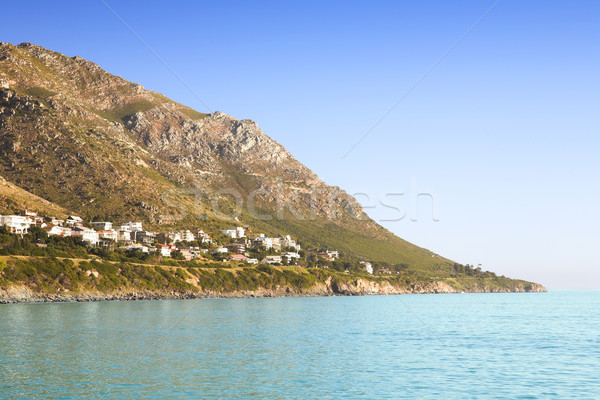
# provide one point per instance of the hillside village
(238, 243)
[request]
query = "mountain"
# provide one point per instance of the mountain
(100, 146)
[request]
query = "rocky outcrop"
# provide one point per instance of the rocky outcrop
(331, 287)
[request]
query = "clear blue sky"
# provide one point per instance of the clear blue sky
(504, 132)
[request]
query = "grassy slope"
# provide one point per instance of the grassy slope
(13, 199)
(50, 276)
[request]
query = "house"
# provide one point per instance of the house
(54, 221)
(164, 249)
(196, 252)
(221, 250)
(32, 217)
(238, 257)
(124, 236)
(237, 248)
(187, 236)
(144, 237)
(53, 230)
(291, 256)
(109, 234)
(16, 224)
(287, 241)
(63, 231)
(263, 241)
(272, 260)
(104, 226)
(252, 261)
(74, 220)
(136, 246)
(240, 232)
(276, 243)
(107, 244)
(165, 237)
(86, 234)
(231, 232)
(328, 255)
(367, 267)
(201, 236)
(134, 226)
(186, 252)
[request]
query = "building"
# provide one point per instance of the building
(234, 233)
(124, 236)
(109, 234)
(186, 252)
(106, 244)
(187, 236)
(276, 243)
(53, 230)
(252, 261)
(201, 236)
(240, 232)
(328, 255)
(134, 226)
(287, 241)
(86, 234)
(136, 246)
(16, 224)
(238, 257)
(221, 250)
(54, 221)
(237, 248)
(291, 256)
(272, 260)
(231, 232)
(63, 231)
(165, 237)
(164, 250)
(74, 220)
(104, 226)
(144, 237)
(367, 267)
(263, 241)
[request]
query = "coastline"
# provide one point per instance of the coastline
(358, 287)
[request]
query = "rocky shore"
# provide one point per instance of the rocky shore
(331, 287)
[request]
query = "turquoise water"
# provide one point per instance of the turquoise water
(467, 346)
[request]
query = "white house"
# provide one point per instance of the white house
(74, 220)
(252, 261)
(134, 226)
(16, 224)
(124, 235)
(136, 246)
(287, 241)
(109, 234)
(263, 241)
(231, 232)
(86, 234)
(367, 267)
(221, 250)
(291, 256)
(165, 250)
(187, 236)
(272, 260)
(103, 226)
(53, 230)
(240, 232)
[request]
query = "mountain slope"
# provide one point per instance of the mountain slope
(104, 147)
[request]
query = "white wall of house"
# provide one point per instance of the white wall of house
(16, 224)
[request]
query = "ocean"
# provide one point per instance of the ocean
(437, 346)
